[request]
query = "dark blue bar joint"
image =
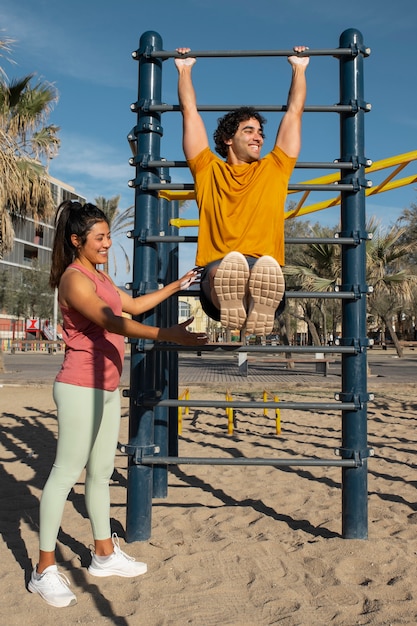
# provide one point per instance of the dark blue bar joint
(144, 51)
(137, 453)
(148, 127)
(357, 455)
(353, 398)
(148, 398)
(143, 345)
(357, 182)
(358, 105)
(359, 343)
(357, 235)
(357, 290)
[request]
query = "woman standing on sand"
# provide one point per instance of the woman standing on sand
(86, 390)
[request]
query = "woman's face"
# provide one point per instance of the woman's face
(95, 249)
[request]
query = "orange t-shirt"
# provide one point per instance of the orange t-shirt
(241, 206)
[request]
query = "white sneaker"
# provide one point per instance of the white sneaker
(266, 289)
(230, 284)
(117, 564)
(52, 586)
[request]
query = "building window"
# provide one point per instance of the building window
(184, 309)
(38, 236)
(29, 255)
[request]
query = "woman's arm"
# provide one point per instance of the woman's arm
(141, 304)
(78, 292)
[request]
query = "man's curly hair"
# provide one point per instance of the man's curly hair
(228, 125)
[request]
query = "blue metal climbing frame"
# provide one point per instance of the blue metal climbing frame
(153, 441)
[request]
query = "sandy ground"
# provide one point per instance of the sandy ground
(239, 546)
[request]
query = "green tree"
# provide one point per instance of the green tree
(315, 267)
(26, 146)
(27, 143)
(389, 274)
(408, 221)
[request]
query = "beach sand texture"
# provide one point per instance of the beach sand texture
(239, 546)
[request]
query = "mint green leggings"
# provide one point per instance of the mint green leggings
(88, 430)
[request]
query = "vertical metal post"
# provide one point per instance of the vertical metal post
(148, 133)
(173, 361)
(353, 223)
(160, 472)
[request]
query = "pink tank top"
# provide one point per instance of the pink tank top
(93, 355)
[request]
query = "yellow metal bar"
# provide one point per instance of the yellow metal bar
(408, 180)
(277, 418)
(168, 194)
(400, 162)
(265, 399)
(179, 222)
(326, 204)
(229, 413)
(185, 395)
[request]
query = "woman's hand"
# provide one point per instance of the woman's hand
(189, 278)
(180, 334)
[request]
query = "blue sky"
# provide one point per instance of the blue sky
(85, 49)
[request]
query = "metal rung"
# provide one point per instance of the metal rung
(331, 165)
(288, 240)
(297, 295)
(322, 295)
(167, 54)
(177, 460)
(237, 347)
(266, 108)
(146, 186)
(251, 404)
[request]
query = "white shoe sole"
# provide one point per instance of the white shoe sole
(266, 289)
(230, 284)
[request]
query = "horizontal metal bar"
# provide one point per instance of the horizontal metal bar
(297, 295)
(173, 54)
(289, 240)
(333, 187)
(185, 460)
(331, 165)
(252, 404)
(266, 108)
(281, 349)
(322, 295)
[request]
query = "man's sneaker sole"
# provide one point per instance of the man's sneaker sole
(266, 289)
(230, 284)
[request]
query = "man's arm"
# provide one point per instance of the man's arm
(194, 132)
(289, 131)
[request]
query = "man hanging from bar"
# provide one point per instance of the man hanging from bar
(241, 202)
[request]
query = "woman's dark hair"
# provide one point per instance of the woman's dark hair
(228, 125)
(72, 218)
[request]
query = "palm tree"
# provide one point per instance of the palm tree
(388, 254)
(317, 268)
(393, 284)
(120, 223)
(26, 146)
